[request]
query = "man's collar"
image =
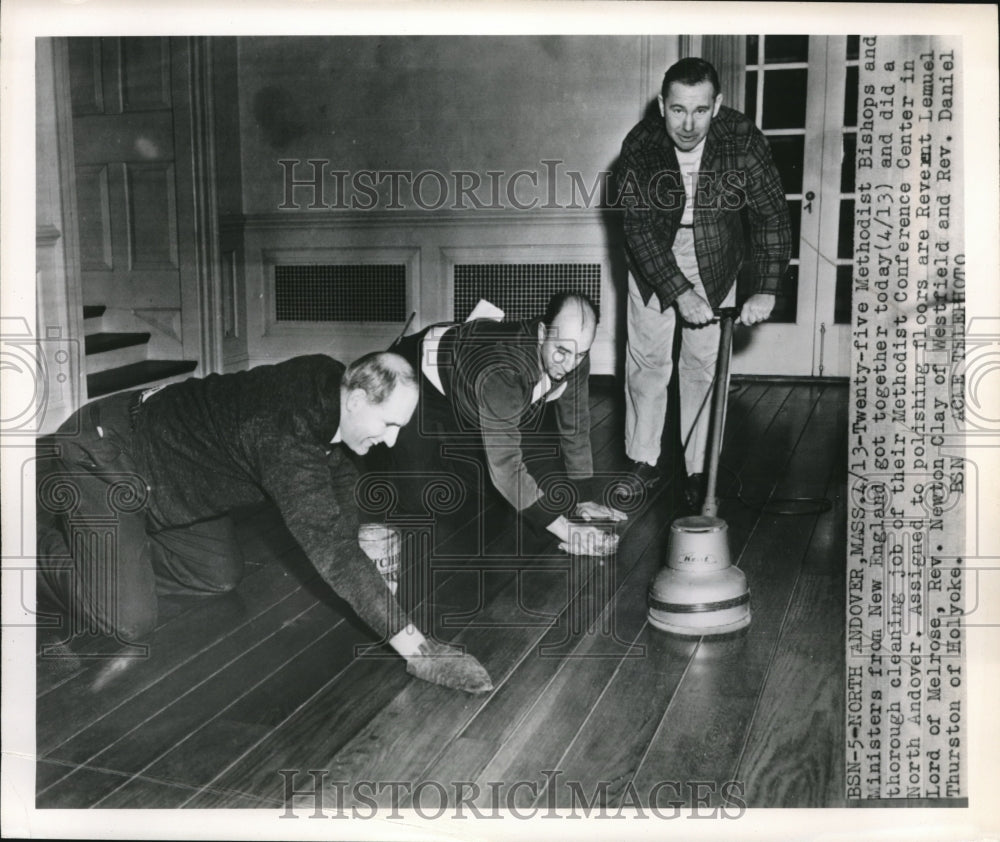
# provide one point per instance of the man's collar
(545, 388)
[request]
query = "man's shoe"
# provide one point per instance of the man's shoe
(694, 490)
(647, 475)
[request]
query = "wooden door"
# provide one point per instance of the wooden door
(799, 91)
(132, 150)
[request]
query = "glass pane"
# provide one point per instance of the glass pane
(784, 99)
(795, 212)
(851, 97)
(845, 233)
(847, 163)
(852, 47)
(785, 48)
(788, 151)
(753, 42)
(786, 302)
(750, 96)
(842, 301)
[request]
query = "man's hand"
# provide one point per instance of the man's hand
(447, 666)
(694, 309)
(589, 540)
(756, 308)
(595, 511)
(577, 539)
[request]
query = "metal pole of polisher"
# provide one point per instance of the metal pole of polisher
(726, 316)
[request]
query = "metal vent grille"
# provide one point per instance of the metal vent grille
(521, 290)
(340, 293)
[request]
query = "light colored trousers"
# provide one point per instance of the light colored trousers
(649, 364)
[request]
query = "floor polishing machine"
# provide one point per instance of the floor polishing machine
(699, 592)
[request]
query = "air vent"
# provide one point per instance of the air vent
(521, 290)
(340, 293)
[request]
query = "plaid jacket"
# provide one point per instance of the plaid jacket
(737, 175)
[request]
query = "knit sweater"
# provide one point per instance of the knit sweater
(209, 445)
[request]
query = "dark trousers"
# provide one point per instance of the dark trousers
(100, 560)
(436, 468)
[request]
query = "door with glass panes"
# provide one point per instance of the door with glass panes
(801, 90)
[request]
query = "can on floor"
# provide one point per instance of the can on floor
(381, 544)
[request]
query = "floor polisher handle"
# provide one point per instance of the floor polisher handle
(726, 317)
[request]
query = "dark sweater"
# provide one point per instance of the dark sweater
(210, 445)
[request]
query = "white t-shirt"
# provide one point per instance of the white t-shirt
(690, 163)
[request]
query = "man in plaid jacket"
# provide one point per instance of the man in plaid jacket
(689, 180)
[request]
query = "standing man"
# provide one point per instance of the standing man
(167, 465)
(484, 385)
(690, 177)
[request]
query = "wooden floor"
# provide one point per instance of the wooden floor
(590, 701)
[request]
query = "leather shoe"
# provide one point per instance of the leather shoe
(647, 475)
(694, 490)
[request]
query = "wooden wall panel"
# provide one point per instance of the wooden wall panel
(152, 204)
(145, 74)
(94, 220)
(431, 245)
(86, 76)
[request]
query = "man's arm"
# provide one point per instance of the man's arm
(572, 412)
(502, 399)
(315, 495)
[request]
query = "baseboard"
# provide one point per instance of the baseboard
(609, 381)
(603, 381)
(790, 379)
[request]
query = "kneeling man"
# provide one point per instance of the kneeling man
(170, 463)
(484, 385)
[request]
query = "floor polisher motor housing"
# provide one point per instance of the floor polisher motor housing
(699, 592)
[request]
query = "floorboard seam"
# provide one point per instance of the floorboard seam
(830, 481)
(559, 670)
(187, 692)
(169, 672)
(208, 787)
(247, 691)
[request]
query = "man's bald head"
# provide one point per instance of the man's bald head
(566, 333)
(576, 303)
